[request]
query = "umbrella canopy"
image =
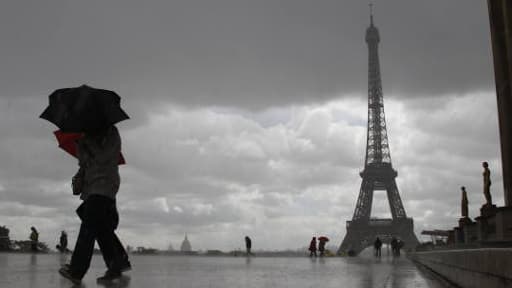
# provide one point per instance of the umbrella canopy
(83, 109)
(323, 238)
(67, 142)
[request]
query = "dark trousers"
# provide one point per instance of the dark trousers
(99, 220)
(377, 251)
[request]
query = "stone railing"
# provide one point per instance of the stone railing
(470, 268)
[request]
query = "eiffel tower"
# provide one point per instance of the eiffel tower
(378, 173)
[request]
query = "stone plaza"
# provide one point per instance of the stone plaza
(40, 271)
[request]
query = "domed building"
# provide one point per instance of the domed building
(185, 245)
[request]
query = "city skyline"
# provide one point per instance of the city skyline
(249, 118)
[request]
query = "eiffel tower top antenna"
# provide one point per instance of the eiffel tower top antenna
(371, 13)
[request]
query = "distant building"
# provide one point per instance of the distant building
(170, 248)
(185, 245)
(5, 242)
(214, 253)
(144, 250)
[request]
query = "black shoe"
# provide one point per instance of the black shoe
(126, 266)
(109, 277)
(67, 273)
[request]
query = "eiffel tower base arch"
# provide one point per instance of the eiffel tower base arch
(362, 233)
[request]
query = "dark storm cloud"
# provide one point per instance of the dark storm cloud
(240, 52)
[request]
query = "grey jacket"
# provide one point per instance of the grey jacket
(98, 160)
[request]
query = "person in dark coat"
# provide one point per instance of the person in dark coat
(97, 182)
(63, 242)
(312, 247)
(34, 239)
(394, 246)
(377, 247)
(248, 245)
(321, 246)
(399, 245)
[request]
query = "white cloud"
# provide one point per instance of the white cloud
(279, 176)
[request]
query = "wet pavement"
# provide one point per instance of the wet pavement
(26, 270)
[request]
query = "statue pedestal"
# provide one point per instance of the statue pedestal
(451, 237)
(488, 210)
(463, 221)
(467, 231)
(458, 235)
(470, 232)
(504, 223)
(486, 223)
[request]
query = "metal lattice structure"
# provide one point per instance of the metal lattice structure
(378, 173)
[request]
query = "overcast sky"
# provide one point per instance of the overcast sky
(248, 117)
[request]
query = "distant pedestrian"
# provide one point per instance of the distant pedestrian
(63, 242)
(399, 245)
(248, 245)
(377, 247)
(321, 247)
(312, 247)
(34, 239)
(394, 246)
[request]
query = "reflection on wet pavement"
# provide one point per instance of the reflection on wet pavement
(40, 270)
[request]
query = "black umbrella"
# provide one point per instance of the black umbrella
(82, 109)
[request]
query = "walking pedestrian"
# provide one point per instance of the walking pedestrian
(248, 245)
(34, 239)
(63, 242)
(377, 247)
(312, 247)
(399, 245)
(321, 246)
(394, 246)
(97, 182)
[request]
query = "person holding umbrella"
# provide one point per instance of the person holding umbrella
(92, 113)
(321, 245)
(97, 182)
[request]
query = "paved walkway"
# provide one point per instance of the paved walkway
(25, 270)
